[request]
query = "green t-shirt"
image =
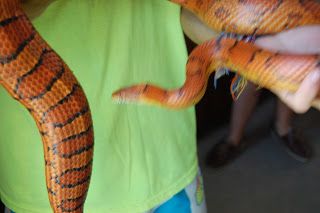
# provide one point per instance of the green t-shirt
(143, 154)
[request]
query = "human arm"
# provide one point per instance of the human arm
(303, 40)
(305, 96)
(197, 31)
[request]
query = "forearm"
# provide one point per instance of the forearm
(196, 30)
(304, 40)
(301, 40)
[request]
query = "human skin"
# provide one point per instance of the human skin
(303, 40)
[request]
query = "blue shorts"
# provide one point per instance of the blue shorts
(189, 200)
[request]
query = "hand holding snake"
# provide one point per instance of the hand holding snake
(302, 40)
(37, 77)
(273, 70)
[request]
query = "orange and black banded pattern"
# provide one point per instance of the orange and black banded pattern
(38, 78)
(271, 70)
(254, 17)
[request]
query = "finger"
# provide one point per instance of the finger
(304, 97)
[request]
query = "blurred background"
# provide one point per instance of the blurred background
(264, 178)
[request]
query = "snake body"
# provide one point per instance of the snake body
(38, 78)
(271, 70)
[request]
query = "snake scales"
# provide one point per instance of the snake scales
(38, 78)
(271, 70)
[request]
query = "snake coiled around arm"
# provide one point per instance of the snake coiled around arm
(272, 70)
(38, 78)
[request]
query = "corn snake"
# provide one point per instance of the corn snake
(272, 70)
(21, 92)
(38, 78)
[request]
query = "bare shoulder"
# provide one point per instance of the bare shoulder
(34, 8)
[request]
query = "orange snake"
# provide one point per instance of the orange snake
(271, 70)
(38, 78)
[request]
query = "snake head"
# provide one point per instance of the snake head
(129, 94)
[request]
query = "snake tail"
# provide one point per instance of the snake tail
(267, 69)
(37, 77)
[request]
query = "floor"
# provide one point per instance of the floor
(265, 179)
